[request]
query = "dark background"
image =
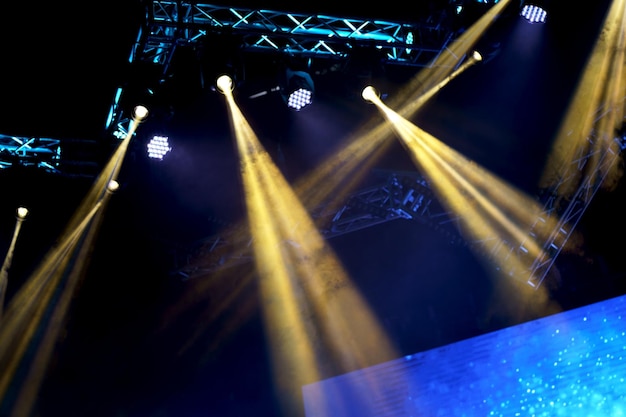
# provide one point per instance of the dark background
(135, 343)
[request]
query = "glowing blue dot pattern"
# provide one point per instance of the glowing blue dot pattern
(300, 98)
(569, 364)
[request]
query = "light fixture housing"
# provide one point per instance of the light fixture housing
(299, 90)
(369, 93)
(113, 186)
(21, 213)
(535, 11)
(140, 113)
(158, 147)
(225, 84)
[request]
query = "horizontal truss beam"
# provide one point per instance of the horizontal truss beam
(171, 24)
(408, 196)
(406, 43)
(44, 153)
(72, 158)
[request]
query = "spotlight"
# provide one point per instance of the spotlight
(299, 90)
(22, 212)
(140, 113)
(535, 11)
(477, 56)
(369, 93)
(158, 147)
(224, 84)
(113, 186)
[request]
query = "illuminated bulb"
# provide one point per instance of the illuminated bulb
(113, 186)
(477, 56)
(158, 147)
(300, 99)
(224, 83)
(22, 212)
(141, 112)
(369, 93)
(534, 14)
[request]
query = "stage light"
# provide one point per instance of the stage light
(372, 95)
(299, 98)
(369, 93)
(158, 147)
(113, 186)
(299, 90)
(535, 11)
(22, 212)
(140, 113)
(224, 83)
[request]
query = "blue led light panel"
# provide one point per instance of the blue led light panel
(534, 14)
(158, 147)
(569, 364)
(300, 99)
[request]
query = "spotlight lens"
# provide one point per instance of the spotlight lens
(369, 93)
(158, 147)
(477, 56)
(224, 83)
(113, 185)
(300, 98)
(22, 212)
(534, 14)
(141, 112)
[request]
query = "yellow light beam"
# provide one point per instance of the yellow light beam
(311, 309)
(109, 173)
(339, 174)
(22, 212)
(486, 206)
(26, 313)
(292, 354)
(595, 112)
(36, 314)
(332, 180)
(445, 63)
(484, 187)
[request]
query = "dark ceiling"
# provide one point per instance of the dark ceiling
(139, 340)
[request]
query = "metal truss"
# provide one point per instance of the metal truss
(568, 210)
(44, 153)
(172, 24)
(401, 195)
(66, 157)
(567, 207)
(398, 195)
(407, 195)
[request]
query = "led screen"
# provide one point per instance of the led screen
(568, 364)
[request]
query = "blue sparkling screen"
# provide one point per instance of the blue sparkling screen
(568, 364)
